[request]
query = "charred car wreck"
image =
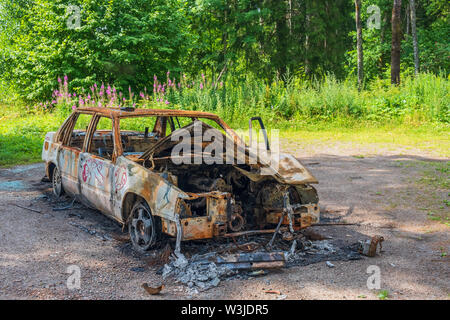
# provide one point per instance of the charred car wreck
(135, 177)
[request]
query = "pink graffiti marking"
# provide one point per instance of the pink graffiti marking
(121, 178)
(85, 173)
(94, 167)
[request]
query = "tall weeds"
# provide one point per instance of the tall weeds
(417, 100)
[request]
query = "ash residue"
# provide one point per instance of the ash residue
(317, 251)
(199, 272)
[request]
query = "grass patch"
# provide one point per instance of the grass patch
(383, 295)
(21, 137)
(433, 139)
(433, 179)
(436, 174)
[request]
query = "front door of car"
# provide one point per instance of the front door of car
(96, 166)
(72, 142)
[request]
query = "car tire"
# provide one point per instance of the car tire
(142, 227)
(58, 189)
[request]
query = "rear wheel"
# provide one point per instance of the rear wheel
(57, 183)
(142, 228)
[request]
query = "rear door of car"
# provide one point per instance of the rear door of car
(72, 140)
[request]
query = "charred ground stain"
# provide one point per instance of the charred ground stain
(14, 185)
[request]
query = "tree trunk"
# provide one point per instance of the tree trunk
(414, 36)
(306, 9)
(396, 42)
(381, 62)
(290, 17)
(359, 44)
(224, 39)
(408, 15)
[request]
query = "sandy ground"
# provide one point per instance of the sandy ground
(380, 192)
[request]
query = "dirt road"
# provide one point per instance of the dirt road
(395, 196)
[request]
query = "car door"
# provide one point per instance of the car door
(72, 144)
(96, 165)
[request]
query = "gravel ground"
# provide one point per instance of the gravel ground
(379, 192)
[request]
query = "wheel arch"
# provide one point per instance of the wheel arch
(50, 167)
(128, 202)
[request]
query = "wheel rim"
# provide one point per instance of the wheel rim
(56, 181)
(141, 227)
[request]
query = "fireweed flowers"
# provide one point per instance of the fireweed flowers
(164, 94)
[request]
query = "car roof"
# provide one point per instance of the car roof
(125, 113)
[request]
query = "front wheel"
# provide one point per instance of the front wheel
(142, 228)
(57, 183)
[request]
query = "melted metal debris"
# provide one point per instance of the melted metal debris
(198, 272)
(201, 272)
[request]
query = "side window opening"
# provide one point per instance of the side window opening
(76, 139)
(102, 143)
(137, 134)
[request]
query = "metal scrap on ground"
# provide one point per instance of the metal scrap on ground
(203, 271)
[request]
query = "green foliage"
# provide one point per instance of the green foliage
(268, 37)
(434, 49)
(419, 99)
(433, 30)
(127, 42)
(124, 42)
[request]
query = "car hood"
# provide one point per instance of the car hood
(258, 164)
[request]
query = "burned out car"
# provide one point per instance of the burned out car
(185, 174)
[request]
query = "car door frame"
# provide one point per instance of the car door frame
(96, 173)
(67, 157)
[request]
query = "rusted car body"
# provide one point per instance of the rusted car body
(130, 176)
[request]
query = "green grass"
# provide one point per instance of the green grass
(383, 295)
(437, 175)
(433, 181)
(21, 137)
(433, 139)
